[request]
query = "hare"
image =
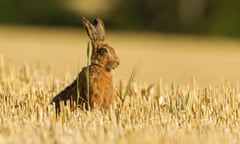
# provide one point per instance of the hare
(101, 86)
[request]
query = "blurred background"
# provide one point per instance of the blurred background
(209, 17)
(171, 39)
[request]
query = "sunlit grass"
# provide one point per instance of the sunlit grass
(199, 114)
(179, 112)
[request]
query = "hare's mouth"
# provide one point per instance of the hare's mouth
(112, 65)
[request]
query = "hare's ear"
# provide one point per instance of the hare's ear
(99, 26)
(91, 30)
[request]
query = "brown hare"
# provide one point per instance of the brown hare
(101, 86)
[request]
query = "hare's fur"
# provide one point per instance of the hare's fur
(101, 85)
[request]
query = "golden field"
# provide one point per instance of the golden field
(36, 63)
(169, 57)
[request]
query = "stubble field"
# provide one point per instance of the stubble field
(186, 89)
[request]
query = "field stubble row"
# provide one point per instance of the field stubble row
(158, 113)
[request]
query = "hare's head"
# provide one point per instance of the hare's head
(102, 54)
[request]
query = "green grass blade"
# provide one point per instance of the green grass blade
(88, 88)
(173, 89)
(187, 98)
(171, 106)
(130, 80)
(52, 88)
(78, 90)
(89, 53)
(171, 98)
(6, 95)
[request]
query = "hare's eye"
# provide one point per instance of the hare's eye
(102, 51)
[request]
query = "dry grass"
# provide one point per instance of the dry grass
(151, 114)
(185, 113)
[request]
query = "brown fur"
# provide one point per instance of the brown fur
(101, 85)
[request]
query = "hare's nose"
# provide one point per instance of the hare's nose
(117, 63)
